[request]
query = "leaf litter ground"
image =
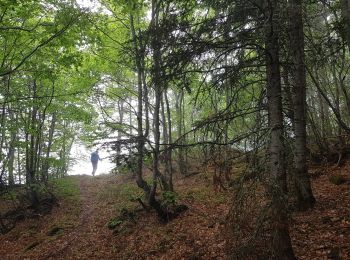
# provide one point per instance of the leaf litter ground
(77, 228)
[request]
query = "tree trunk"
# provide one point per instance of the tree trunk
(181, 159)
(281, 243)
(46, 166)
(120, 105)
(11, 158)
(6, 82)
(19, 169)
(158, 88)
(165, 153)
(158, 94)
(305, 198)
(170, 139)
(345, 12)
(140, 141)
(31, 150)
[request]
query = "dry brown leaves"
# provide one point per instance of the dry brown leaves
(324, 232)
(198, 233)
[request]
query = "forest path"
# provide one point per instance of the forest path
(83, 235)
(89, 237)
(77, 227)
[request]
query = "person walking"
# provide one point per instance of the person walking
(94, 160)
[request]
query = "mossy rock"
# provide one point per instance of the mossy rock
(31, 246)
(54, 230)
(112, 224)
(125, 216)
(337, 179)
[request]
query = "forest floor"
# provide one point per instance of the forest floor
(78, 227)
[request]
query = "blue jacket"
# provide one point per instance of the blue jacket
(95, 157)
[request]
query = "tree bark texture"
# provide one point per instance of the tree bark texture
(140, 140)
(281, 242)
(345, 12)
(305, 198)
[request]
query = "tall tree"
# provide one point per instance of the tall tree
(281, 242)
(305, 198)
(345, 11)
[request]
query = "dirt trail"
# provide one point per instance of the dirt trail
(88, 238)
(82, 237)
(81, 231)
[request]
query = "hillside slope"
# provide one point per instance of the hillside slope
(77, 229)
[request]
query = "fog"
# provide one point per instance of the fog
(82, 164)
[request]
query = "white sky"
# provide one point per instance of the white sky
(93, 5)
(87, 3)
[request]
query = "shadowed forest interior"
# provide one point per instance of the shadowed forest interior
(227, 124)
